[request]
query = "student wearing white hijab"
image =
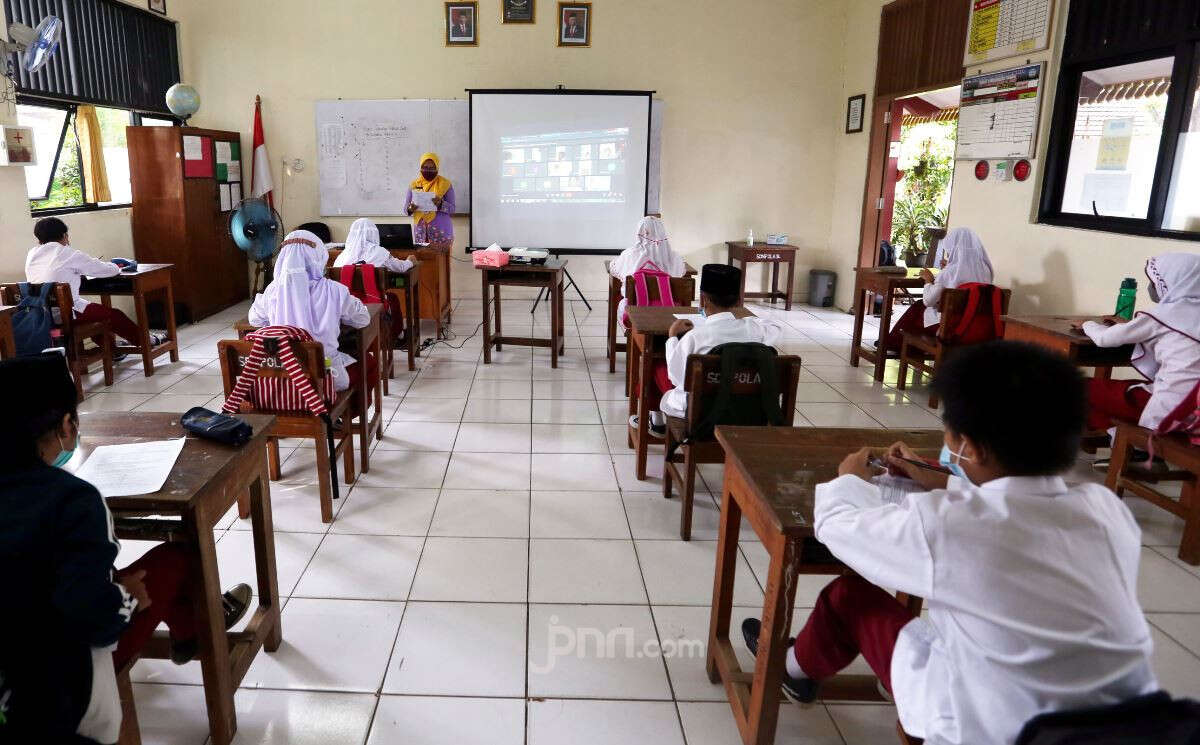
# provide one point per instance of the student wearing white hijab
(1167, 351)
(301, 296)
(966, 262)
(362, 244)
(652, 250)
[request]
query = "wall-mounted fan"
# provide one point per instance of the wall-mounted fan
(256, 229)
(34, 45)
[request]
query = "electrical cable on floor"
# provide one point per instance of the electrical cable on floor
(429, 343)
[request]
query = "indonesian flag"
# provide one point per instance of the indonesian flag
(260, 184)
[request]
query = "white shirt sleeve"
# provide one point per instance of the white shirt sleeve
(397, 265)
(678, 351)
(884, 543)
(772, 331)
(1140, 329)
(354, 312)
(258, 311)
(84, 265)
(932, 292)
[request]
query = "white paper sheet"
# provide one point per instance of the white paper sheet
(225, 197)
(224, 152)
(424, 200)
(235, 171)
(136, 468)
(192, 148)
(235, 194)
(695, 318)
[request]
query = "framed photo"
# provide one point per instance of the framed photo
(462, 29)
(855, 109)
(574, 24)
(158, 6)
(16, 146)
(517, 11)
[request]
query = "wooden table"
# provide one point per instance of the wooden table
(405, 286)
(547, 276)
(8, 343)
(148, 280)
(1056, 334)
(762, 253)
(208, 478)
(367, 339)
(647, 344)
(869, 281)
(614, 299)
(771, 475)
(435, 282)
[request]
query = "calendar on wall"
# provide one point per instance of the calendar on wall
(1005, 28)
(998, 115)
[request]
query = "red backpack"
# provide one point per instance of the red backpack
(370, 292)
(979, 324)
(1184, 418)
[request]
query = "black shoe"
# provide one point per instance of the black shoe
(656, 433)
(235, 603)
(801, 691)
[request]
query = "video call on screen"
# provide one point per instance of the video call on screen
(565, 168)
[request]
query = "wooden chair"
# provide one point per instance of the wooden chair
(131, 733)
(704, 379)
(683, 292)
(298, 423)
(925, 352)
(387, 369)
(73, 334)
(1175, 449)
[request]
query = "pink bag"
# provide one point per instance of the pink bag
(492, 259)
(641, 289)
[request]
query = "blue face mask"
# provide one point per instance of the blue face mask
(64, 455)
(953, 461)
(703, 314)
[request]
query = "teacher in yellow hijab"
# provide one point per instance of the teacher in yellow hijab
(431, 226)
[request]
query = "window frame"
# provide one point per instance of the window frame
(1184, 75)
(135, 120)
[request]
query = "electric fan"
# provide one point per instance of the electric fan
(35, 45)
(255, 229)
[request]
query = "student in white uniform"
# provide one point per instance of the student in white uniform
(719, 286)
(301, 296)
(652, 250)
(1167, 354)
(1030, 583)
(362, 244)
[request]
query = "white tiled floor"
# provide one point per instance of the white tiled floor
(500, 512)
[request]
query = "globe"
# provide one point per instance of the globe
(183, 100)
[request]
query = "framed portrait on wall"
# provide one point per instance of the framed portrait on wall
(855, 108)
(574, 24)
(461, 27)
(158, 6)
(517, 11)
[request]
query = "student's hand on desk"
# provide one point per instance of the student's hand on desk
(927, 276)
(133, 584)
(680, 327)
(412, 258)
(923, 476)
(858, 464)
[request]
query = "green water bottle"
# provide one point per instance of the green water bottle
(1127, 299)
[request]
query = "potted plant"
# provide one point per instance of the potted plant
(917, 207)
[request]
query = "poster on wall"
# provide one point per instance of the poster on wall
(998, 115)
(1006, 28)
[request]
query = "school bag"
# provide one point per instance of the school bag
(271, 345)
(370, 291)
(33, 320)
(647, 273)
(981, 321)
(760, 409)
(1153, 719)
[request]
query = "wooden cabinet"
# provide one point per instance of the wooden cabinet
(178, 220)
(434, 285)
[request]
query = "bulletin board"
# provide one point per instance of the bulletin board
(998, 115)
(1005, 28)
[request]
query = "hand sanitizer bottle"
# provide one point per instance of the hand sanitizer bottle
(750, 237)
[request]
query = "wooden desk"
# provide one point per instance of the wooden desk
(614, 300)
(762, 253)
(149, 279)
(548, 276)
(1055, 333)
(647, 345)
(869, 281)
(8, 343)
(404, 285)
(367, 339)
(207, 479)
(771, 475)
(435, 282)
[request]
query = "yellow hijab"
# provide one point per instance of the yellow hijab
(439, 186)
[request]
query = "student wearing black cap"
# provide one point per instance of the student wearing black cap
(79, 618)
(719, 290)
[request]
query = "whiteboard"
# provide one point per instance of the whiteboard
(998, 115)
(367, 152)
(1006, 28)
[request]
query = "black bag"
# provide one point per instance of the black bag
(887, 254)
(219, 427)
(32, 319)
(1153, 719)
(744, 410)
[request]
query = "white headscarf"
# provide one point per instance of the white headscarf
(362, 243)
(300, 295)
(652, 246)
(966, 261)
(1176, 276)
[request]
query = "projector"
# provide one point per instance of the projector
(519, 255)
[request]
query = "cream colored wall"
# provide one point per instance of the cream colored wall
(1050, 269)
(748, 87)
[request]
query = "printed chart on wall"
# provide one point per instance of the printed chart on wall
(1005, 28)
(368, 151)
(998, 116)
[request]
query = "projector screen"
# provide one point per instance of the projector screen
(558, 170)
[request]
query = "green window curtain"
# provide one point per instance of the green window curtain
(91, 151)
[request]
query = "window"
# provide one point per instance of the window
(64, 179)
(1124, 151)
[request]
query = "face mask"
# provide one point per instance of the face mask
(64, 455)
(703, 314)
(947, 459)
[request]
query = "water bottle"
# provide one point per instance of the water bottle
(750, 237)
(1127, 299)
